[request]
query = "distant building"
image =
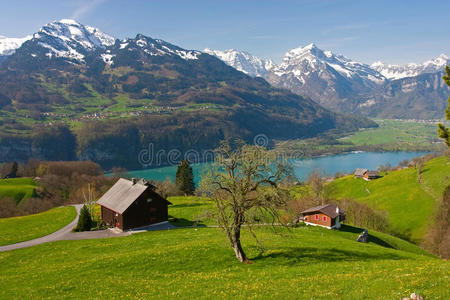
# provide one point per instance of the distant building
(131, 204)
(328, 216)
(366, 174)
(359, 173)
(371, 175)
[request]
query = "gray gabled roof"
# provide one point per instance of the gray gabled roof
(327, 209)
(373, 174)
(122, 194)
(360, 172)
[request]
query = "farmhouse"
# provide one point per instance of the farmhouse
(328, 216)
(131, 204)
(366, 174)
(359, 173)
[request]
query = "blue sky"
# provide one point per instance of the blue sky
(392, 31)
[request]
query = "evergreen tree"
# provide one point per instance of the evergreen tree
(85, 220)
(184, 178)
(13, 172)
(444, 132)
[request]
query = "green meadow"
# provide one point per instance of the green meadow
(198, 263)
(17, 188)
(19, 229)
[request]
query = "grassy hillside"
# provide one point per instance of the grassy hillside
(17, 188)
(19, 229)
(198, 263)
(410, 205)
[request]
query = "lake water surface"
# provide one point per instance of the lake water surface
(328, 165)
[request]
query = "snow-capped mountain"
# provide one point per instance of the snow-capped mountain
(302, 61)
(149, 46)
(69, 39)
(412, 69)
(339, 83)
(9, 45)
(330, 79)
(243, 61)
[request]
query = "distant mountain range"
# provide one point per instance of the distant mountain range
(117, 97)
(339, 83)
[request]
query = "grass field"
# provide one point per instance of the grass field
(397, 133)
(390, 135)
(17, 188)
(191, 263)
(410, 205)
(189, 211)
(19, 229)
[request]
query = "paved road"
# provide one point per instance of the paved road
(66, 233)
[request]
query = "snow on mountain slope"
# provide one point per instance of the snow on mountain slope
(152, 47)
(9, 45)
(70, 39)
(302, 61)
(243, 61)
(412, 69)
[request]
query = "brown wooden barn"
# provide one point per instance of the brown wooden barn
(131, 204)
(328, 215)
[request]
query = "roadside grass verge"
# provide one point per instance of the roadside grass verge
(18, 229)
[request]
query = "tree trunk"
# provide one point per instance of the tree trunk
(236, 244)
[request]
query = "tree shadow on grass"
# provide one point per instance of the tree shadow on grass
(187, 205)
(371, 239)
(310, 255)
(182, 222)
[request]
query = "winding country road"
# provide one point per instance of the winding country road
(66, 233)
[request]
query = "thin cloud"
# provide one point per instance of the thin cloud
(85, 7)
(345, 28)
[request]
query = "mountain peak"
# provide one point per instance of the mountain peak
(69, 39)
(243, 61)
(67, 22)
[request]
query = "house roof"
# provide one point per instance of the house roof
(122, 194)
(360, 172)
(373, 173)
(327, 209)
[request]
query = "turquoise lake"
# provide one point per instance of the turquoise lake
(328, 165)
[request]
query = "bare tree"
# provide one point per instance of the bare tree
(317, 184)
(418, 163)
(245, 184)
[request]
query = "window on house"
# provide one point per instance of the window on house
(149, 200)
(317, 217)
(324, 218)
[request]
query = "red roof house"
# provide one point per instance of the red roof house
(328, 216)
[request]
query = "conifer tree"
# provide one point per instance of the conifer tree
(444, 132)
(85, 220)
(184, 178)
(13, 172)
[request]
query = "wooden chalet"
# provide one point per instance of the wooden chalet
(131, 204)
(366, 174)
(359, 173)
(370, 175)
(328, 216)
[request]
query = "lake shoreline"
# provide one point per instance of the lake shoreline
(328, 164)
